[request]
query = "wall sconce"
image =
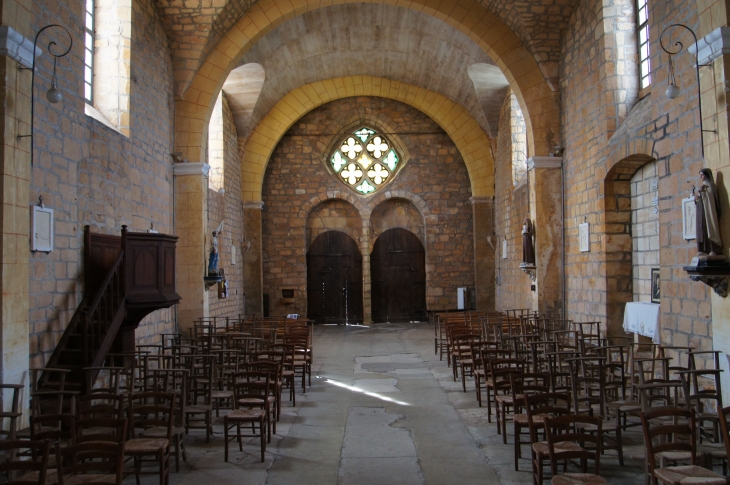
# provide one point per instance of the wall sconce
(672, 91)
(53, 95)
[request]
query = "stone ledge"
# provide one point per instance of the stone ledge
(199, 168)
(544, 162)
(17, 47)
(253, 205)
(712, 46)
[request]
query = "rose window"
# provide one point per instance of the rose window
(365, 161)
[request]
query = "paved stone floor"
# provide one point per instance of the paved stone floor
(382, 409)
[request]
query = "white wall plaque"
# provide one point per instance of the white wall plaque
(584, 233)
(504, 249)
(42, 229)
(233, 254)
(689, 215)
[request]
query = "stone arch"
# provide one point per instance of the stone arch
(397, 212)
(352, 199)
(334, 214)
(617, 240)
(483, 27)
(455, 120)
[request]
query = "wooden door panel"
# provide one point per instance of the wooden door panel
(398, 268)
(334, 279)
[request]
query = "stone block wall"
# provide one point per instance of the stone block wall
(434, 180)
(226, 207)
(605, 148)
(511, 207)
(91, 174)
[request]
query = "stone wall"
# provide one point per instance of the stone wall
(91, 174)
(434, 180)
(226, 207)
(644, 229)
(511, 207)
(604, 149)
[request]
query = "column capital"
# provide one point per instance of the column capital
(17, 47)
(199, 168)
(485, 199)
(253, 204)
(544, 162)
(712, 46)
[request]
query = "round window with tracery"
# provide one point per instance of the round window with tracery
(365, 161)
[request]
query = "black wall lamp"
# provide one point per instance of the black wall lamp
(53, 95)
(672, 90)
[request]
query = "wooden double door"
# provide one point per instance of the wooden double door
(334, 279)
(398, 268)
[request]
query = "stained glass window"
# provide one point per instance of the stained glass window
(365, 161)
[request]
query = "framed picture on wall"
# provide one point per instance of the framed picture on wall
(584, 233)
(689, 215)
(656, 293)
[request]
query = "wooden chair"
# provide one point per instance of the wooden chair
(522, 385)
(500, 371)
(462, 357)
(252, 389)
(668, 432)
(112, 430)
(481, 374)
(273, 398)
(101, 405)
(540, 406)
(175, 382)
(90, 463)
(26, 471)
(150, 410)
(12, 416)
(566, 440)
(199, 406)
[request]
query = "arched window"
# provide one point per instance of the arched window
(365, 161)
(518, 133)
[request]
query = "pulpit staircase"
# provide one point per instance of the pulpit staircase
(126, 279)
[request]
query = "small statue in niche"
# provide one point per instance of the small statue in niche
(707, 201)
(528, 248)
(213, 256)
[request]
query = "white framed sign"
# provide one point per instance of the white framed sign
(584, 233)
(41, 224)
(689, 218)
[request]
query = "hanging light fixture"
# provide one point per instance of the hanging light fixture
(53, 95)
(672, 91)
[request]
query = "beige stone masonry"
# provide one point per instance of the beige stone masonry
(546, 187)
(191, 190)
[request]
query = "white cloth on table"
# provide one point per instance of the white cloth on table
(642, 318)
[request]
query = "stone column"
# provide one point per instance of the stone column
(484, 252)
(546, 189)
(252, 257)
(191, 204)
(367, 282)
(714, 49)
(15, 171)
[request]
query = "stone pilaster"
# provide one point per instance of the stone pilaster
(15, 172)
(546, 187)
(191, 201)
(714, 49)
(367, 282)
(484, 252)
(251, 258)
